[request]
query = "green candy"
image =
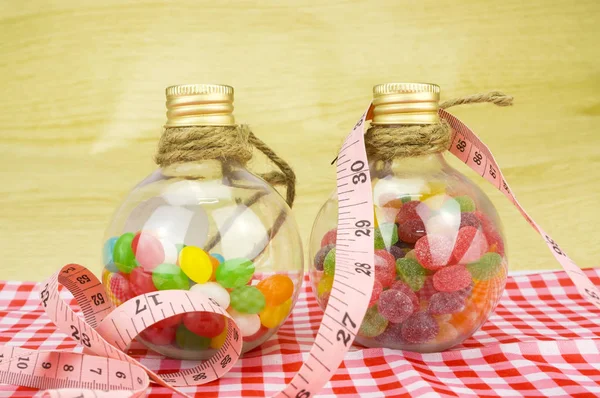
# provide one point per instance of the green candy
(411, 272)
(123, 256)
(247, 300)
(170, 277)
(466, 203)
(329, 263)
(235, 272)
(486, 267)
(373, 324)
(386, 235)
(406, 199)
(190, 341)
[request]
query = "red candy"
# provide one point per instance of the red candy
(446, 303)
(205, 324)
(470, 245)
(404, 288)
(411, 230)
(391, 336)
(427, 290)
(412, 210)
(433, 251)
(452, 278)
(329, 238)
(377, 289)
(141, 281)
(469, 220)
(159, 335)
(148, 250)
(385, 268)
(395, 306)
(170, 322)
(419, 328)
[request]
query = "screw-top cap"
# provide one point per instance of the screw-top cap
(406, 103)
(199, 105)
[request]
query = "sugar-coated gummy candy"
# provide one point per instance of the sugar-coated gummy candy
(276, 288)
(141, 282)
(376, 292)
(392, 335)
(148, 250)
(469, 220)
(159, 335)
(214, 291)
(406, 289)
(409, 211)
(386, 235)
(119, 288)
(373, 323)
(427, 290)
(170, 276)
(419, 328)
(395, 306)
(385, 268)
(466, 203)
(446, 303)
(466, 292)
(433, 188)
(235, 272)
(323, 299)
(324, 285)
(329, 263)
(218, 257)
(123, 253)
(451, 278)
(247, 300)
(411, 272)
(433, 251)
(329, 238)
(218, 341)
(273, 316)
(207, 324)
(320, 256)
(107, 254)
(447, 333)
(248, 324)
(486, 268)
(188, 340)
(495, 242)
(411, 230)
(196, 264)
(436, 202)
(470, 245)
(398, 252)
(411, 254)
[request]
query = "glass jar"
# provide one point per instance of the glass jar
(209, 226)
(440, 256)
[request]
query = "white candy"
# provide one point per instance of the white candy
(249, 324)
(214, 291)
(170, 251)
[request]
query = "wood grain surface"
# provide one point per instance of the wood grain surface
(82, 103)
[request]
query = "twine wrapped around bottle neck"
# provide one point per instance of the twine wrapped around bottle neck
(397, 141)
(224, 143)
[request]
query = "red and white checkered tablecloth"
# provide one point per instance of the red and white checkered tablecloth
(543, 340)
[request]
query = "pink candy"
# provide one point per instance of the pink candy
(452, 278)
(433, 251)
(404, 288)
(419, 328)
(395, 306)
(141, 281)
(329, 238)
(385, 268)
(377, 289)
(148, 250)
(411, 230)
(446, 303)
(470, 245)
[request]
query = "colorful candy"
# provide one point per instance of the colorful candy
(218, 341)
(188, 340)
(248, 324)
(419, 328)
(320, 256)
(486, 268)
(395, 306)
(469, 220)
(407, 290)
(235, 273)
(377, 289)
(470, 245)
(148, 251)
(123, 253)
(276, 288)
(141, 281)
(411, 230)
(159, 335)
(219, 257)
(386, 235)
(324, 285)
(385, 268)
(196, 264)
(247, 300)
(329, 238)
(411, 272)
(373, 324)
(329, 263)
(446, 303)
(107, 254)
(119, 289)
(170, 276)
(213, 291)
(451, 278)
(433, 251)
(466, 203)
(207, 324)
(272, 316)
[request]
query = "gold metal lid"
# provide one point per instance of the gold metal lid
(406, 103)
(200, 105)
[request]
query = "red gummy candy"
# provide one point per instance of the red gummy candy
(433, 251)
(207, 324)
(391, 336)
(411, 230)
(427, 290)
(395, 306)
(446, 303)
(412, 210)
(385, 268)
(469, 219)
(404, 288)
(420, 328)
(495, 242)
(377, 289)
(320, 256)
(159, 335)
(452, 278)
(329, 238)
(141, 281)
(148, 250)
(470, 245)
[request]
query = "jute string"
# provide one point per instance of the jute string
(387, 142)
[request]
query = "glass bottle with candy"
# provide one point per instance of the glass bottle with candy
(203, 222)
(440, 255)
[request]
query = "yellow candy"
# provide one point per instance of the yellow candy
(218, 341)
(196, 264)
(433, 188)
(272, 317)
(375, 216)
(324, 285)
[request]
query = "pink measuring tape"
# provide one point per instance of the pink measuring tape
(104, 370)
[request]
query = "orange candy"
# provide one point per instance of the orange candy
(276, 289)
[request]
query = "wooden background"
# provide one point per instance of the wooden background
(82, 103)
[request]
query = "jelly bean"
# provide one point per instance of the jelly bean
(377, 289)
(411, 272)
(413, 210)
(276, 289)
(188, 340)
(171, 251)
(486, 268)
(219, 257)
(247, 300)
(218, 341)
(196, 264)
(419, 328)
(386, 235)
(107, 254)
(260, 333)
(411, 230)
(148, 250)
(106, 275)
(433, 251)
(159, 335)
(329, 262)
(235, 272)
(329, 238)
(470, 245)
(273, 316)
(324, 285)
(248, 324)
(466, 203)
(207, 324)
(427, 290)
(451, 278)
(141, 281)
(119, 289)
(171, 321)
(320, 256)
(385, 268)
(469, 220)
(406, 289)
(123, 253)
(213, 291)
(373, 323)
(446, 303)
(395, 306)
(170, 276)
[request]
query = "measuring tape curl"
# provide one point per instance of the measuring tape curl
(106, 331)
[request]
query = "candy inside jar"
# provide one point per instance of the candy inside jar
(439, 253)
(207, 225)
